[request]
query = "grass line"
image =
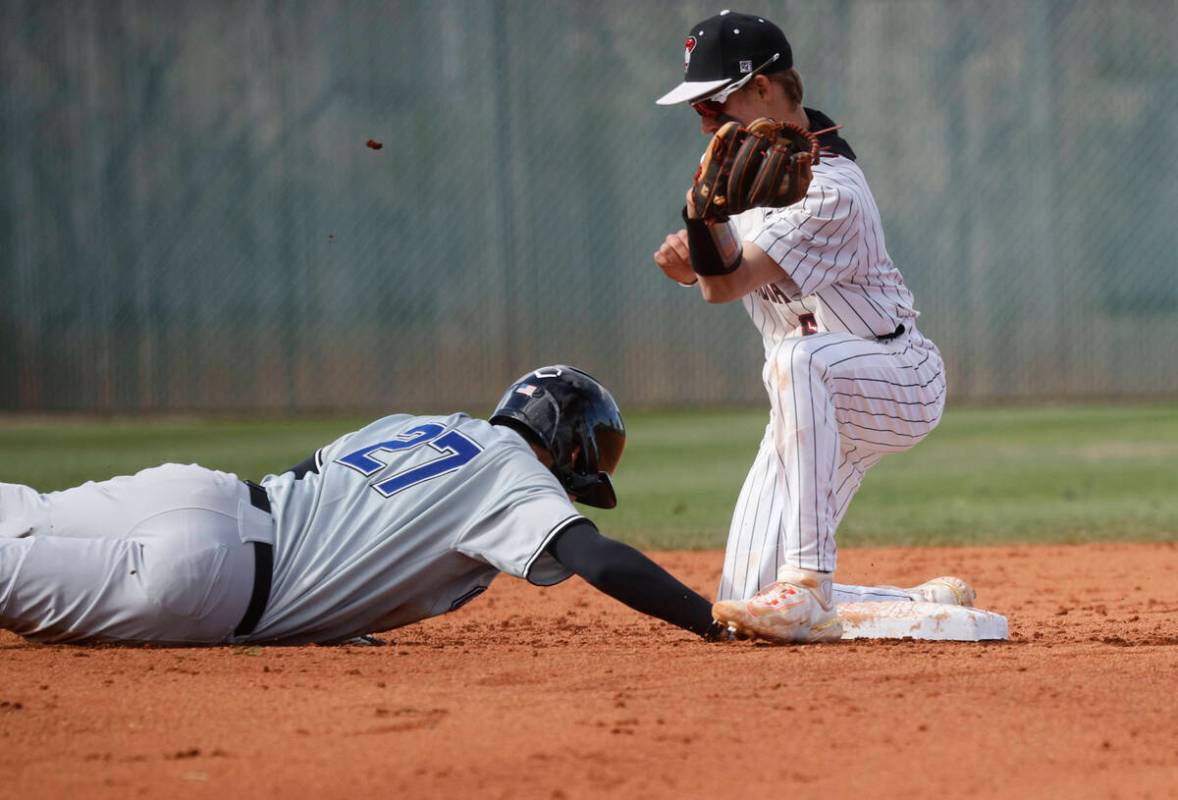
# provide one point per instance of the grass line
(1043, 474)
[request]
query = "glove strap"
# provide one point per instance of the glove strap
(714, 245)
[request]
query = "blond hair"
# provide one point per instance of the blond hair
(790, 81)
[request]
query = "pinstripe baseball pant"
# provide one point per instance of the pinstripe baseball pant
(839, 403)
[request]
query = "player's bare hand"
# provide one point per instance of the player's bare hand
(674, 259)
(802, 175)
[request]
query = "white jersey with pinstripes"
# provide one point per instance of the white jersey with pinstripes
(407, 518)
(841, 396)
(832, 246)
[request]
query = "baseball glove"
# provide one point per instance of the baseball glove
(766, 164)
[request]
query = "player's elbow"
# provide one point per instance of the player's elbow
(717, 294)
(709, 294)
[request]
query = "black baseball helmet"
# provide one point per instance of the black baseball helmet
(573, 417)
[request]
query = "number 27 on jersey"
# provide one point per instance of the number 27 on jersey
(454, 450)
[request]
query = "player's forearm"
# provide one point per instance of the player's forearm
(756, 269)
(725, 288)
(631, 578)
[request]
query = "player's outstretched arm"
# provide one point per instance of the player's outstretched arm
(631, 578)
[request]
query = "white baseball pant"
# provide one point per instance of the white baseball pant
(839, 404)
(161, 556)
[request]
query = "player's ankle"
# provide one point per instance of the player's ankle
(819, 583)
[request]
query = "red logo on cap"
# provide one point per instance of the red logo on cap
(688, 46)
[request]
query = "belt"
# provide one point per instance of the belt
(887, 337)
(263, 569)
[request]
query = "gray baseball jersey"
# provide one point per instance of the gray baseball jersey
(407, 518)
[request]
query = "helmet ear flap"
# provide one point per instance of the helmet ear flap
(596, 490)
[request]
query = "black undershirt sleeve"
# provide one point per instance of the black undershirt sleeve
(303, 467)
(631, 578)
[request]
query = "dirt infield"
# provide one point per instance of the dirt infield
(562, 693)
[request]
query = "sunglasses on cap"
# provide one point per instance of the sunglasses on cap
(713, 106)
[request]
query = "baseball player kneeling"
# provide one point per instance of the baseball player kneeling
(780, 217)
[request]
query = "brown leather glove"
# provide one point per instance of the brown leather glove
(766, 164)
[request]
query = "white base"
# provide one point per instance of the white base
(901, 620)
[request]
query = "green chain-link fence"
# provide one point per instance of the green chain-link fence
(190, 217)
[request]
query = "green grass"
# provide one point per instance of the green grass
(1048, 474)
(1045, 474)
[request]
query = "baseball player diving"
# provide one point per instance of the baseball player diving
(404, 519)
(780, 217)
(407, 518)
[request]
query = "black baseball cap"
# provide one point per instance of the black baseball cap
(726, 49)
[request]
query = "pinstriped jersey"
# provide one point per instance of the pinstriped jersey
(407, 518)
(831, 244)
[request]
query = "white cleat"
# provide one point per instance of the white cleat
(796, 608)
(947, 590)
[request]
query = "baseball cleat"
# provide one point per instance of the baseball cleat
(797, 608)
(947, 589)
